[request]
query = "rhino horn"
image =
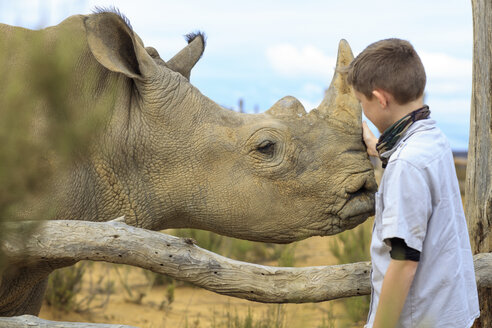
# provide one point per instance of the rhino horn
(339, 102)
(186, 59)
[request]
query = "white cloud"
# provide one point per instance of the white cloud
(308, 104)
(447, 76)
(290, 61)
(451, 87)
(312, 90)
(453, 118)
(311, 95)
(440, 65)
(450, 109)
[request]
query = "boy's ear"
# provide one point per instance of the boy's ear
(382, 96)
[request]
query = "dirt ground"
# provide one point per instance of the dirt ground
(192, 307)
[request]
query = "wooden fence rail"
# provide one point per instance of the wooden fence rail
(182, 259)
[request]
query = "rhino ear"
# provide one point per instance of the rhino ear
(115, 46)
(155, 55)
(186, 59)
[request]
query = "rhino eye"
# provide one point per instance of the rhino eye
(267, 147)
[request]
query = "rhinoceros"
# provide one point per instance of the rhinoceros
(170, 157)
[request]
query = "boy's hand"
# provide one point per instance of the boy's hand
(370, 140)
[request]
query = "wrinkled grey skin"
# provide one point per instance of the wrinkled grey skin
(172, 158)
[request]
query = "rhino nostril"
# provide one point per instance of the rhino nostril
(358, 193)
(371, 185)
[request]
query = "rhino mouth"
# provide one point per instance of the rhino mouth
(359, 206)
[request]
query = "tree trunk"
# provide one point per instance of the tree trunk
(478, 203)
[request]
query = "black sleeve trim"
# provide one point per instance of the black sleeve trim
(400, 251)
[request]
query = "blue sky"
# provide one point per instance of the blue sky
(263, 50)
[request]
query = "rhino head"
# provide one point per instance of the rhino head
(173, 158)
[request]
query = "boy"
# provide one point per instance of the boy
(422, 265)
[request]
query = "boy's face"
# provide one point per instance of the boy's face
(372, 110)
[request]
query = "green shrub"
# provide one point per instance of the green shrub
(205, 239)
(349, 247)
(273, 317)
(43, 131)
(64, 290)
(170, 293)
(328, 320)
(63, 287)
(287, 256)
(157, 279)
(238, 249)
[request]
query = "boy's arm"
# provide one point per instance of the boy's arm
(396, 284)
(370, 140)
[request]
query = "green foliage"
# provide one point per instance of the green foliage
(287, 256)
(328, 320)
(194, 324)
(242, 250)
(132, 295)
(170, 293)
(349, 247)
(135, 293)
(352, 245)
(65, 288)
(157, 279)
(274, 317)
(43, 127)
(206, 239)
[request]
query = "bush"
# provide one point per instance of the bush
(328, 320)
(43, 131)
(287, 256)
(273, 317)
(157, 279)
(65, 286)
(238, 249)
(349, 247)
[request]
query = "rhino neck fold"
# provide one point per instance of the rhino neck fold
(97, 192)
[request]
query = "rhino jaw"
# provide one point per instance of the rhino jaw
(360, 203)
(358, 208)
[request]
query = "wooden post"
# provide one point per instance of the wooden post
(478, 203)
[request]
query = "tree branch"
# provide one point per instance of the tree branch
(180, 258)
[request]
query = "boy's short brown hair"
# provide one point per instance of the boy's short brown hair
(391, 65)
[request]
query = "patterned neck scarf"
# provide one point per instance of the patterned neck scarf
(392, 135)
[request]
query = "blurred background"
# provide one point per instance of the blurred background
(257, 52)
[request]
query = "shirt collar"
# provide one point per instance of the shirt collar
(418, 126)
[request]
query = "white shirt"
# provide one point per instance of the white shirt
(419, 201)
